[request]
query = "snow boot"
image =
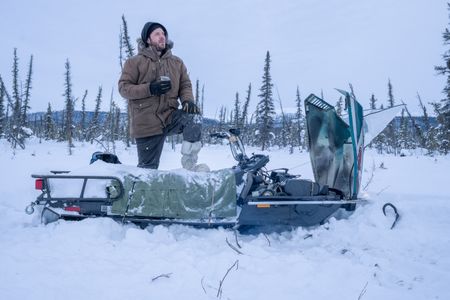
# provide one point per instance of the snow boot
(189, 152)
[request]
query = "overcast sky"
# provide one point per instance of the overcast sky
(317, 45)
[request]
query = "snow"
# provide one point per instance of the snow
(347, 258)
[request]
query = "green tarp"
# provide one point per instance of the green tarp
(179, 194)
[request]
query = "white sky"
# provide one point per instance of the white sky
(318, 45)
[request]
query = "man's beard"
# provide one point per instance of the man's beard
(158, 47)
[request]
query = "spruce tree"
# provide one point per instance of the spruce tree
(265, 108)
(49, 124)
(95, 122)
(373, 102)
(110, 124)
(391, 100)
(69, 109)
(380, 141)
(38, 127)
(391, 137)
(16, 116)
(243, 122)
(417, 134)
(17, 132)
(125, 43)
(427, 135)
(222, 117)
(442, 131)
(9, 104)
(83, 117)
(285, 128)
(197, 93)
(244, 114)
(442, 108)
(16, 113)
(121, 47)
(2, 111)
(236, 111)
(403, 139)
(27, 93)
(117, 127)
(299, 132)
(293, 135)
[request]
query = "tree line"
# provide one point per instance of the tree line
(262, 127)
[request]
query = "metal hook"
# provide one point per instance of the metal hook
(30, 209)
(397, 216)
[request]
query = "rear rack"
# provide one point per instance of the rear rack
(46, 192)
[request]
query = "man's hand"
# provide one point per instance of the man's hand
(190, 107)
(160, 87)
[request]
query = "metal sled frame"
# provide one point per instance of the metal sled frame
(73, 205)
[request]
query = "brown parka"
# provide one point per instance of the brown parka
(149, 114)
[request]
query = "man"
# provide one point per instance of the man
(152, 81)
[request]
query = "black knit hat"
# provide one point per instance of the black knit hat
(148, 28)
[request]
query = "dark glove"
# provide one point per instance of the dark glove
(160, 87)
(190, 107)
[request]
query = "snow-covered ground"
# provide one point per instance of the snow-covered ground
(358, 257)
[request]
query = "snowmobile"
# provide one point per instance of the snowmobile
(245, 195)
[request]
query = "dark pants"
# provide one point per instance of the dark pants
(149, 148)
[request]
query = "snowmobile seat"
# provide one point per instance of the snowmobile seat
(302, 187)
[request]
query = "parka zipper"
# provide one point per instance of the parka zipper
(161, 97)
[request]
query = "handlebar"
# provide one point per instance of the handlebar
(252, 164)
(220, 135)
(236, 146)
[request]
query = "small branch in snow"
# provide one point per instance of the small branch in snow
(309, 235)
(267, 238)
(219, 291)
(236, 238)
(203, 287)
(167, 275)
(363, 291)
(383, 190)
(370, 178)
(233, 247)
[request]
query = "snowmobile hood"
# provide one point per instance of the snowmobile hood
(337, 145)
